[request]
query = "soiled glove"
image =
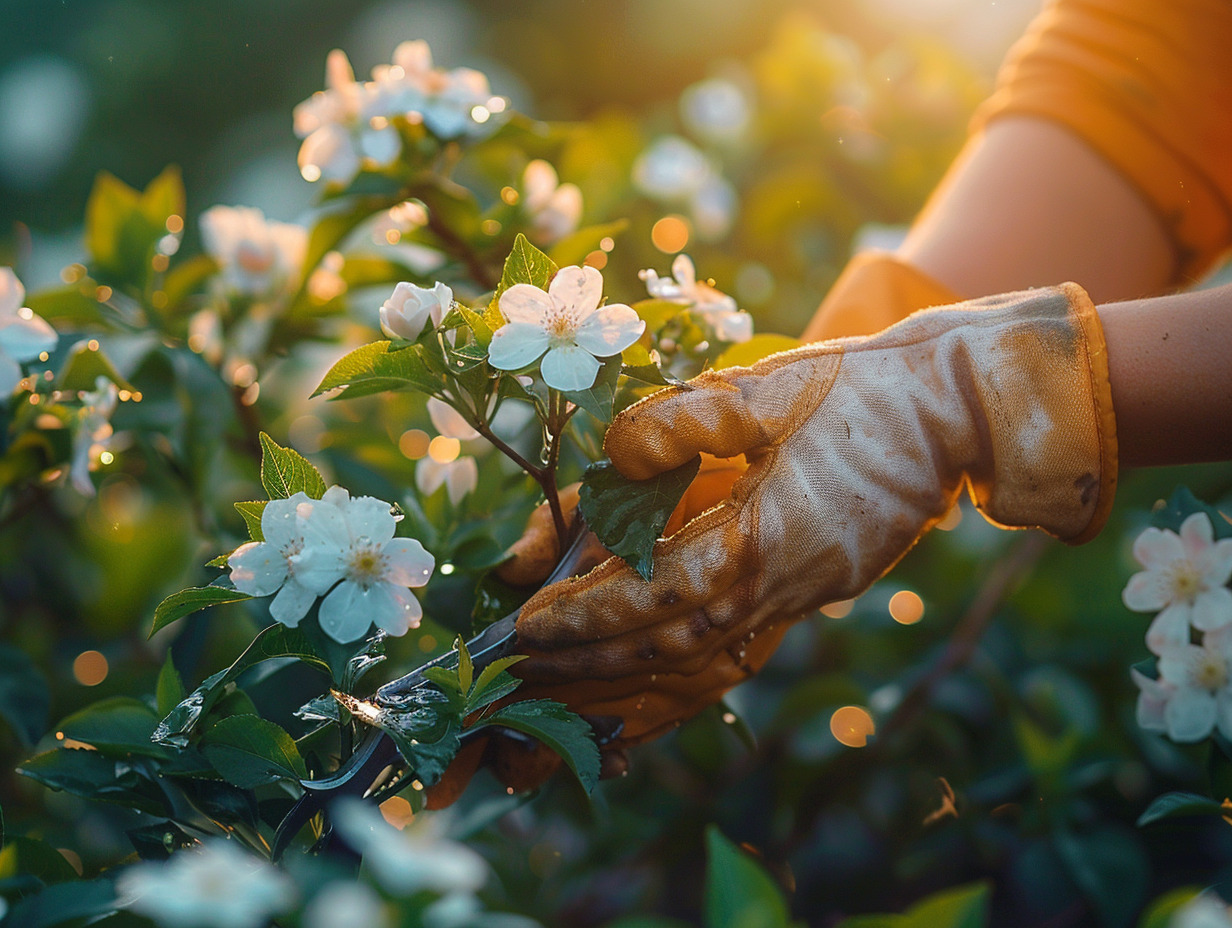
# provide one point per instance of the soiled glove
(855, 448)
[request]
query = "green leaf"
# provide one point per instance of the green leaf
(24, 696)
(526, 264)
(599, 398)
(1181, 505)
(187, 278)
(119, 725)
(84, 366)
(629, 515)
(250, 751)
(377, 367)
(169, 691)
(1159, 914)
(494, 683)
(1172, 805)
(69, 306)
(94, 775)
(563, 731)
(123, 227)
(657, 313)
(639, 365)
(427, 733)
(29, 856)
(285, 472)
(478, 325)
(186, 602)
(157, 841)
(77, 902)
(275, 641)
(756, 348)
(739, 893)
(960, 907)
(373, 271)
(252, 512)
(466, 669)
(330, 230)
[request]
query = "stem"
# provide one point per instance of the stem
(458, 247)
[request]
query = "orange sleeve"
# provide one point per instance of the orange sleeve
(1148, 85)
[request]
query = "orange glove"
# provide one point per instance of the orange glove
(874, 291)
(855, 448)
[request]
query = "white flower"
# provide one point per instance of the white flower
(566, 323)
(459, 474)
(554, 208)
(730, 324)
(260, 568)
(215, 886)
(23, 335)
(355, 538)
(446, 100)
(410, 308)
(93, 433)
(716, 109)
(258, 257)
(1194, 692)
(413, 859)
(1186, 577)
(1205, 910)
(346, 905)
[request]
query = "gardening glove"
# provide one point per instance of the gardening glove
(874, 291)
(855, 447)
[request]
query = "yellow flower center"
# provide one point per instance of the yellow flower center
(1185, 581)
(1210, 671)
(365, 563)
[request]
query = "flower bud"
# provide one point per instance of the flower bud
(410, 307)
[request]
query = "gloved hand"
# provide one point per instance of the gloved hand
(855, 449)
(874, 291)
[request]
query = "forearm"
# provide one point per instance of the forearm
(1170, 365)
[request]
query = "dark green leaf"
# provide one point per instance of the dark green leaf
(157, 841)
(186, 602)
(466, 668)
(1110, 868)
(427, 733)
(170, 689)
(23, 855)
(323, 709)
(71, 306)
(285, 472)
(739, 893)
(598, 399)
(1171, 805)
(65, 902)
(561, 730)
(250, 751)
(24, 697)
(252, 511)
(639, 365)
(1181, 506)
(274, 641)
(119, 725)
(371, 652)
(94, 775)
(629, 515)
(494, 683)
(377, 367)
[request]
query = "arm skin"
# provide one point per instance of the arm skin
(1027, 204)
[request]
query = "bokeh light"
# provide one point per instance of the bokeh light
(906, 607)
(670, 234)
(852, 726)
(90, 668)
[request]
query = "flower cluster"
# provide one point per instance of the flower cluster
(1185, 579)
(339, 547)
(23, 335)
(554, 209)
(258, 257)
(717, 309)
(350, 122)
(674, 171)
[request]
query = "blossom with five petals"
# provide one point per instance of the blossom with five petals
(353, 538)
(410, 308)
(23, 335)
(446, 100)
(565, 326)
(1193, 694)
(260, 568)
(258, 257)
(1186, 576)
(730, 323)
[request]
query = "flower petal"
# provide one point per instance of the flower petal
(569, 368)
(1212, 609)
(394, 608)
(734, 327)
(448, 421)
(1190, 714)
(684, 271)
(1158, 547)
(369, 517)
(25, 339)
(610, 330)
(524, 303)
(578, 289)
(280, 521)
(1219, 563)
(257, 568)
(409, 564)
(1170, 629)
(292, 603)
(12, 293)
(10, 375)
(461, 478)
(1197, 535)
(516, 345)
(344, 613)
(1145, 592)
(429, 475)
(1152, 698)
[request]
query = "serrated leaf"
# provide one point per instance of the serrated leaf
(249, 751)
(490, 686)
(599, 398)
(526, 264)
(186, 602)
(377, 367)
(275, 641)
(739, 892)
(427, 735)
(756, 348)
(252, 511)
(1175, 804)
(628, 516)
(285, 472)
(118, 725)
(563, 731)
(478, 325)
(169, 691)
